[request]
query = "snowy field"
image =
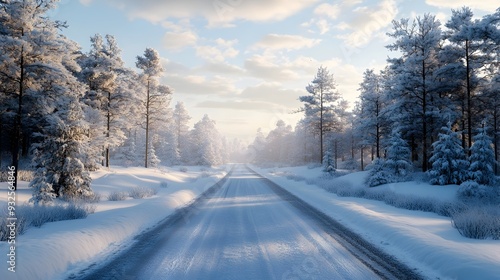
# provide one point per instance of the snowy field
(423, 240)
(57, 249)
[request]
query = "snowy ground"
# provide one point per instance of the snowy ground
(426, 241)
(57, 249)
(423, 240)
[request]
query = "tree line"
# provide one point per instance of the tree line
(72, 111)
(443, 80)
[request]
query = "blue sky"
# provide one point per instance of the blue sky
(243, 62)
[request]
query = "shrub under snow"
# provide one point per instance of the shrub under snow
(471, 189)
(37, 215)
(478, 222)
(117, 196)
(142, 192)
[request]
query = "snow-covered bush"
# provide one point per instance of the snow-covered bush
(93, 198)
(37, 215)
(471, 189)
(142, 192)
(163, 184)
(295, 177)
(117, 196)
(378, 174)
(478, 222)
(449, 162)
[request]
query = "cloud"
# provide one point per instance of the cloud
(216, 12)
(221, 68)
(273, 93)
(86, 2)
(325, 9)
(199, 85)
(286, 42)
(219, 52)
(485, 5)
(246, 105)
(262, 67)
(174, 67)
(367, 22)
(176, 41)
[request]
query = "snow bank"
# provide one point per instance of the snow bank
(56, 250)
(423, 240)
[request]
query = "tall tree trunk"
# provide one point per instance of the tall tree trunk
(321, 125)
(362, 159)
(18, 125)
(147, 125)
(495, 137)
(424, 119)
(108, 126)
(469, 97)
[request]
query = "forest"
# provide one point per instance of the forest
(64, 112)
(434, 108)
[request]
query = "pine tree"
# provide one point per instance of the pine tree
(414, 85)
(206, 143)
(180, 131)
(449, 161)
(328, 163)
(60, 172)
(369, 119)
(31, 49)
(323, 106)
(482, 159)
(379, 174)
(155, 95)
(398, 157)
(108, 97)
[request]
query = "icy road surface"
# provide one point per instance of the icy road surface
(245, 230)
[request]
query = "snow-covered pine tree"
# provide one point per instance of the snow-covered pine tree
(466, 39)
(379, 174)
(30, 47)
(181, 131)
(449, 161)
(108, 95)
(369, 118)
(60, 172)
(154, 161)
(413, 86)
(151, 69)
(277, 142)
(328, 163)
(482, 159)
(205, 143)
(323, 106)
(398, 157)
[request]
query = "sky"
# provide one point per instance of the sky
(245, 63)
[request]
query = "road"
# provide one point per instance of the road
(249, 229)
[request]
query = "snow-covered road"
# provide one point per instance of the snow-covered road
(246, 230)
